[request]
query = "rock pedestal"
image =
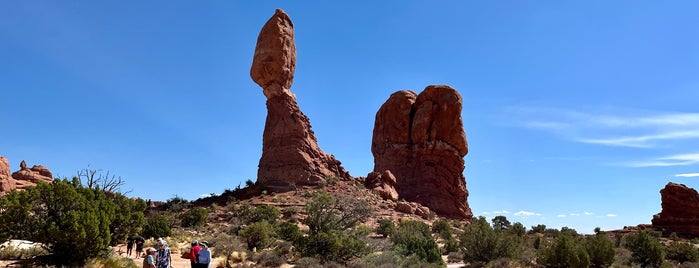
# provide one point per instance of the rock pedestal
(290, 153)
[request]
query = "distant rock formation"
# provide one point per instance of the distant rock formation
(290, 153)
(680, 210)
(383, 183)
(7, 183)
(22, 178)
(421, 140)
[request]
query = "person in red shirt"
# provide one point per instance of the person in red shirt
(194, 253)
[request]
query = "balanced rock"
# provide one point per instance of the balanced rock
(290, 153)
(7, 183)
(680, 210)
(383, 183)
(421, 140)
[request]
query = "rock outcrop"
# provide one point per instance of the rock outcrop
(680, 210)
(290, 153)
(22, 178)
(7, 183)
(421, 140)
(383, 183)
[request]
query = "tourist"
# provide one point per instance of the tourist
(194, 253)
(149, 259)
(139, 245)
(204, 255)
(129, 246)
(164, 259)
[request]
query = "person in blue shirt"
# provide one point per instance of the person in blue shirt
(204, 255)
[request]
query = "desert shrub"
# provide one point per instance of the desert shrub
(483, 244)
(307, 262)
(540, 228)
(13, 253)
(157, 225)
(111, 261)
(442, 228)
(269, 258)
(518, 229)
(195, 217)
(258, 235)
(289, 231)
(450, 245)
(71, 221)
(249, 214)
(569, 231)
(566, 251)
(332, 245)
(682, 252)
(176, 204)
(386, 227)
(226, 245)
(326, 212)
(414, 238)
(600, 249)
(645, 249)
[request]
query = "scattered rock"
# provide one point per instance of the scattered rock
(680, 210)
(383, 183)
(405, 207)
(421, 140)
(290, 153)
(413, 208)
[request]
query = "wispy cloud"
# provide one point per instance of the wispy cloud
(499, 212)
(523, 213)
(687, 175)
(635, 130)
(588, 213)
(611, 215)
(574, 214)
(561, 215)
(667, 161)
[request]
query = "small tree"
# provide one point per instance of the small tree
(195, 217)
(480, 243)
(565, 252)
(386, 227)
(414, 238)
(645, 249)
(157, 225)
(600, 249)
(682, 252)
(249, 214)
(258, 235)
(500, 223)
(540, 228)
(518, 229)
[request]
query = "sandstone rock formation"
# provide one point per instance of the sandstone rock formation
(383, 183)
(414, 208)
(290, 153)
(421, 140)
(7, 183)
(22, 178)
(680, 210)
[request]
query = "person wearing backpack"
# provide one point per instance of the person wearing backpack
(204, 255)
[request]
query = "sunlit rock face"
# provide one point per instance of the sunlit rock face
(420, 138)
(290, 153)
(680, 210)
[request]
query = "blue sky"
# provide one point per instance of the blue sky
(576, 113)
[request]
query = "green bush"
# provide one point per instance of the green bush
(518, 229)
(157, 225)
(258, 235)
(481, 243)
(538, 229)
(565, 252)
(72, 221)
(289, 231)
(442, 228)
(249, 214)
(386, 227)
(500, 223)
(332, 246)
(176, 204)
(269, 258)
(600, 250)
(414, 238)
(128, 217)
(645, 249)
(682, 252)
(195, 217)
(326, 212)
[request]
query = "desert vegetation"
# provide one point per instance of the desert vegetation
(77, 225)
